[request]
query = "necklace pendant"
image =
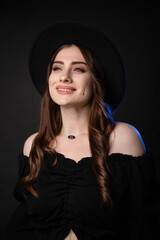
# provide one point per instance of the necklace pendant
(71, 136)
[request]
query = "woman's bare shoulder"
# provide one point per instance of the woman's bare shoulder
(28, 144)
(126, 139)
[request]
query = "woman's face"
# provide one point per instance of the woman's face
(70, 70)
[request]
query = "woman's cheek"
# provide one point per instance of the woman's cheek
(51, 89)
(50, 81)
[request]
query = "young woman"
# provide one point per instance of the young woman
(82, 175)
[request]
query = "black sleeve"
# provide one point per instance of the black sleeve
(23, 170)
(134, 178)
(18, 226)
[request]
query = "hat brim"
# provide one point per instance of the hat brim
(95, 40)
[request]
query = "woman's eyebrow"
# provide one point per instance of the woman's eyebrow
(58, 62)
(79, 62)
(73, 63)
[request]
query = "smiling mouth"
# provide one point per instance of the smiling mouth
(65, 91)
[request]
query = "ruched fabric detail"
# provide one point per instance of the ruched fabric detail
(69, 198)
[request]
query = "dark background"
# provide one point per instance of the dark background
(133, 27)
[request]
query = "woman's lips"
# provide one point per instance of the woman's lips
(65, 87)
(65, 92)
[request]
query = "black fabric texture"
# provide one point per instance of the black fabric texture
(69, 198)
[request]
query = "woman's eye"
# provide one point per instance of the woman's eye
(79, 69)
(56, 68)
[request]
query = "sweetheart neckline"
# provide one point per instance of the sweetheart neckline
(89, 158)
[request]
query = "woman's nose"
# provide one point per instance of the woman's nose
(65, 76)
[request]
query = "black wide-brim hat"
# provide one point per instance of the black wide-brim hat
(87, 36)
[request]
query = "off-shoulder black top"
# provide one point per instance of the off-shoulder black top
(69, 198)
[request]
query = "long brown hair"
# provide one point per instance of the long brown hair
(100, 127)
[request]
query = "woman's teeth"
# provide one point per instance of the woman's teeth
(65, 90)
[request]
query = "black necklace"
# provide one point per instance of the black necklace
(71, 136)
